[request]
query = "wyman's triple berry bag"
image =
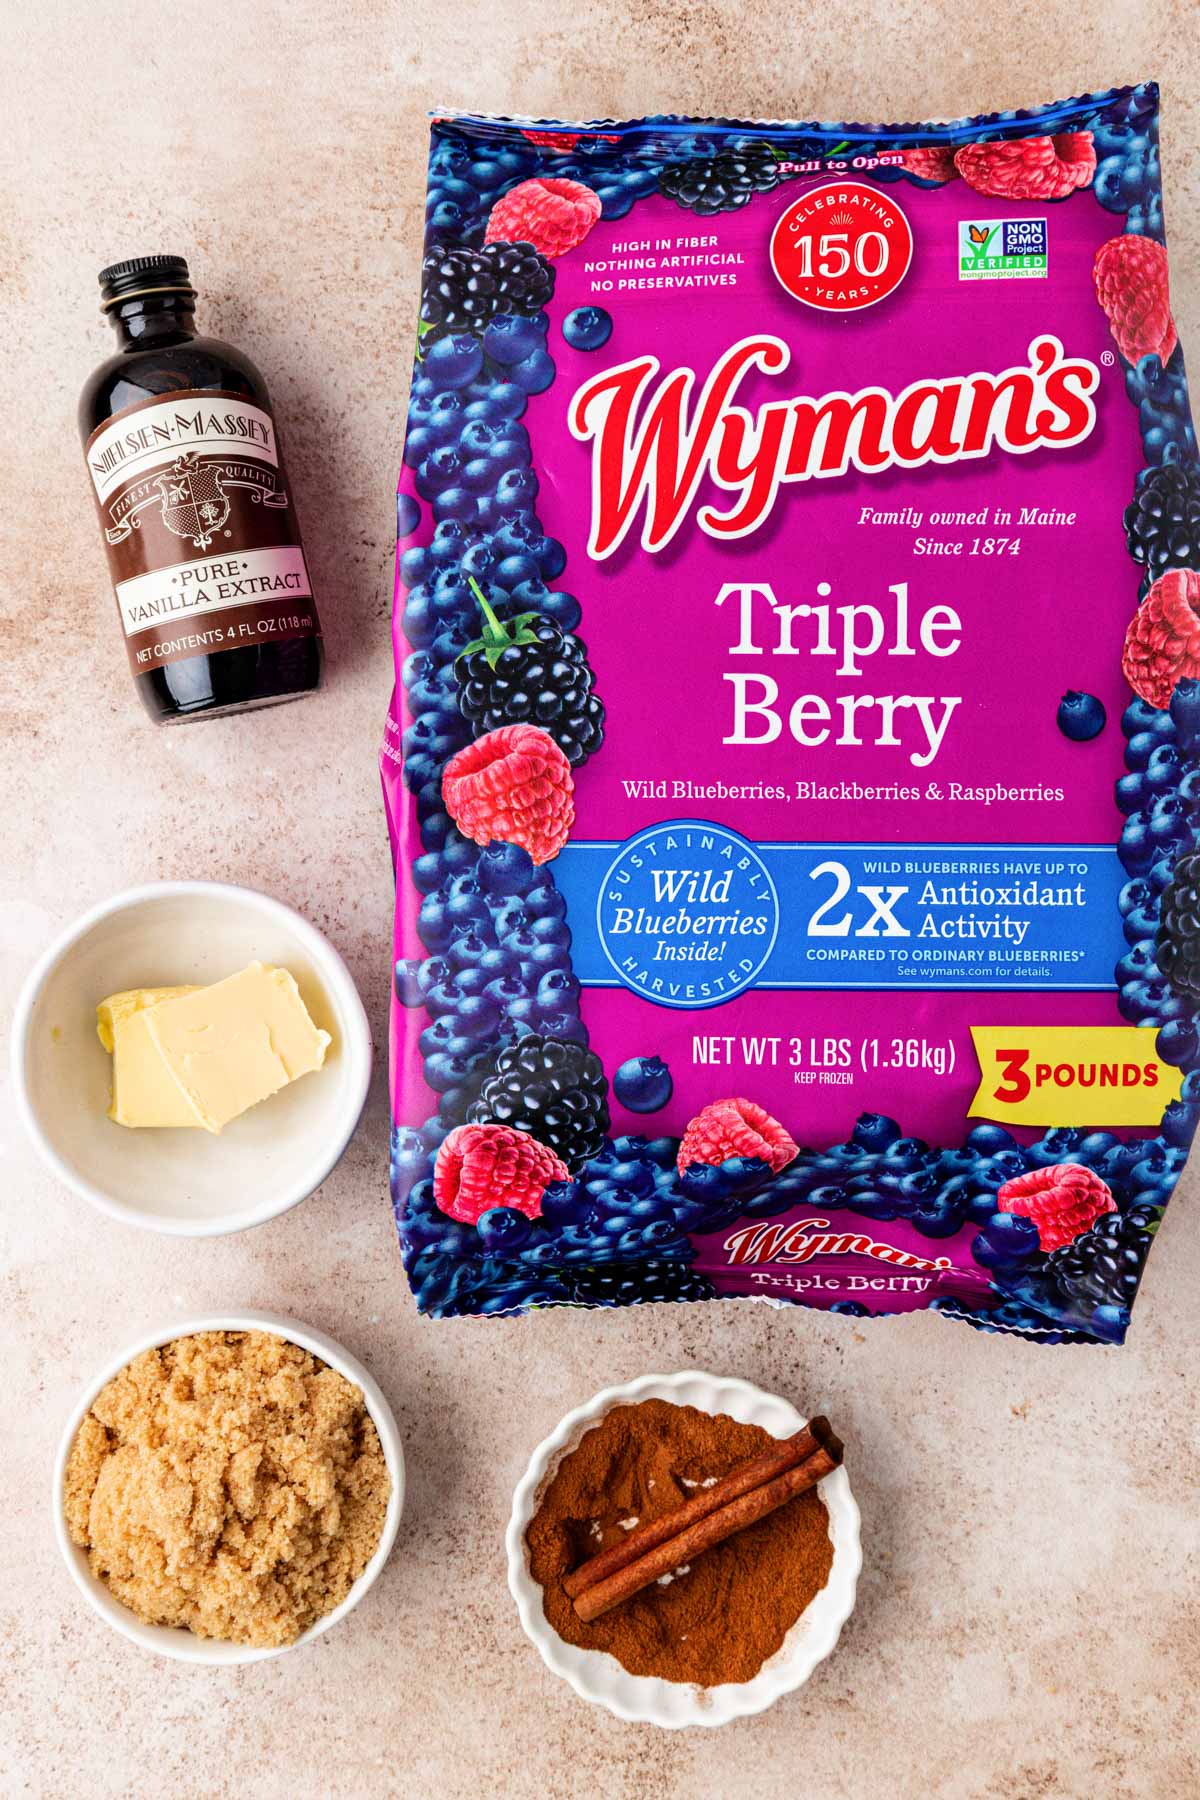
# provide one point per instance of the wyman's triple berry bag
(795, 757)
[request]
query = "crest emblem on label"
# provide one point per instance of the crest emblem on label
(194, 502)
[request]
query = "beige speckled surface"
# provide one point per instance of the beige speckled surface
(1028, 1623)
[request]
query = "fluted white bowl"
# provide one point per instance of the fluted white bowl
(599, 1677)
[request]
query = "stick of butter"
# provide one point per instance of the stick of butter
(202, 1056)
(144, 1092)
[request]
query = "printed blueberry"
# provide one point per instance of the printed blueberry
(1006, 1239)
(1137, 964)
(510, 338)
(535, 373)
(1142, 744)
(455, 361)
(1081, 717)
(990, 1140)
(1136, 847)
(1130, 793)
(1139, 716)
(906, 1153)
(1185, 712)
(1179, 1123)
(875, 1131)
(1095, 1144)
(643, 1084)
(1178, 1043)
(504, 1229)
(407, 985)
(938, 1218)
(505, 869)
(587, 328)
(1110, 1323)
(408, 515)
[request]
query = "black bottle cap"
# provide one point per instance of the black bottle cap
(143, 275)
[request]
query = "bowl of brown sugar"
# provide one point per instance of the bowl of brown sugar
(229, 1488)
(684, 1550)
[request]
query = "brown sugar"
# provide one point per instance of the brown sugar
(229, 1483)
(721, 1618)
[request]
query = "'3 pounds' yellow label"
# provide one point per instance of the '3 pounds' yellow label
(1071, 1075)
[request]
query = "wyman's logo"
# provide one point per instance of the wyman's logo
(806, 1238)
(653, 443)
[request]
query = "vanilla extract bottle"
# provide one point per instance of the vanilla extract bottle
(198, 516)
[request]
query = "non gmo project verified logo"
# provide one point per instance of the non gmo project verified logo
(1002, 249)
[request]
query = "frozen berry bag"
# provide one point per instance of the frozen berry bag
(795, 755)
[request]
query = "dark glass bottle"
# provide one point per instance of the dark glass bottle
(199, 521)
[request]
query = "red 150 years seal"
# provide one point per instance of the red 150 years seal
(841, 247)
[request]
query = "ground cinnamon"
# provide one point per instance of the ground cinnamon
(715, 1621)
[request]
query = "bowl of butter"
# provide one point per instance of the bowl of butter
(191, 1057)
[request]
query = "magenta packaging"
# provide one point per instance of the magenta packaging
(794, 759)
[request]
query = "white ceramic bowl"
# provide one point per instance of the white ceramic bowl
(181, 1645)
(186, 1182)
(599, 1677)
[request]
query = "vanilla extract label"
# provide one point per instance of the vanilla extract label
(200, 528)
(188, 588)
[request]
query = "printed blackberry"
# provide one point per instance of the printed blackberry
(721, 183)
(1178, 954)
(552, 1088)
(1162, 521)
(1104, 1265)
(527, 669)
(621, 1285)
(463, 290)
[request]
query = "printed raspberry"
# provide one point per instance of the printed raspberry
(553, 140)
(1032, 168)
(1132, 286)
(568, 140)
(1178, 949)
(548, 212)
(481, 1166)
(514, 785)
(735, 1128)
(1062, 1201)
(1162, 644)
(930, 162)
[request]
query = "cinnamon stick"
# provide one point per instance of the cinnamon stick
(683, 1547)
(788, 1453)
